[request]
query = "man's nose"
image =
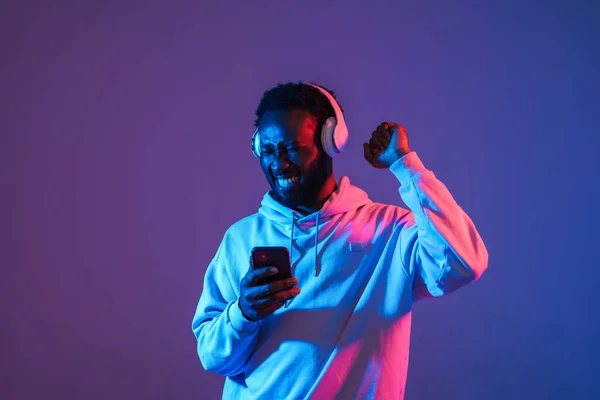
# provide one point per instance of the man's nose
(281, 160)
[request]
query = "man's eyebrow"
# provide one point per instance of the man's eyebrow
(290, 142)
(294, 142)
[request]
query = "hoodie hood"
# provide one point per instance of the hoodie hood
(346, 197)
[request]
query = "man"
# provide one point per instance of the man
(340, 327)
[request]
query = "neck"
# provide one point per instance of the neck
(323, 195)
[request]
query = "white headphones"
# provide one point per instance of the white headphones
(334, 134)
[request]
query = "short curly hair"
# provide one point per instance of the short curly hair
(296, 95)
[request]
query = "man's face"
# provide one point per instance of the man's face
(293, 163)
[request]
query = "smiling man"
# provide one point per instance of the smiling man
(299, 172)
(358, 265)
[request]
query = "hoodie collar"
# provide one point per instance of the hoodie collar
(346, 197)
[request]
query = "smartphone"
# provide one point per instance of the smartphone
(278, 257)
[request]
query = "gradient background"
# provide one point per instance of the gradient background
(125, 156)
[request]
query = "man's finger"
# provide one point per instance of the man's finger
(386, 131)
(260, 273)
(277, 297)
(381, 140)
(375, 145)
(273, 287)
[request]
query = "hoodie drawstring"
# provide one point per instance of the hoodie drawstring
(292, 240)
(317, 266)
(287, 303)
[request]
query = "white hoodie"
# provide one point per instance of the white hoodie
(360, 265)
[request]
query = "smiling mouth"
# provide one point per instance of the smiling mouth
(286, 183)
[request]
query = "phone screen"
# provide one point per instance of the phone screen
(272, 257)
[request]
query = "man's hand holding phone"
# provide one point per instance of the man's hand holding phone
(268, 284)
(259, 301)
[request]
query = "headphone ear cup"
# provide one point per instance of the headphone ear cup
(328, 137)
(255, 145)
(340, 138)
(334, 134)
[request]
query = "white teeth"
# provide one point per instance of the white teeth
(287, 182)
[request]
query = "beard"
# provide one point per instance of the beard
(306, 191)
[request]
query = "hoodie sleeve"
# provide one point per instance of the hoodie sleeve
(225, 337)
(439, 243)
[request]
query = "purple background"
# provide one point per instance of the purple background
(125, 155)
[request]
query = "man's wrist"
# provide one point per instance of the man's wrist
(239, 321)
(402, 152)
(398, 154)
(243, 314)
(407, 168)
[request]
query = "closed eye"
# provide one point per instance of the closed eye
(270, 150)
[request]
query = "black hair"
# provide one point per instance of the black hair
(296, 95)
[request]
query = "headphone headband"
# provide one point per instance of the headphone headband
(334, 133)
